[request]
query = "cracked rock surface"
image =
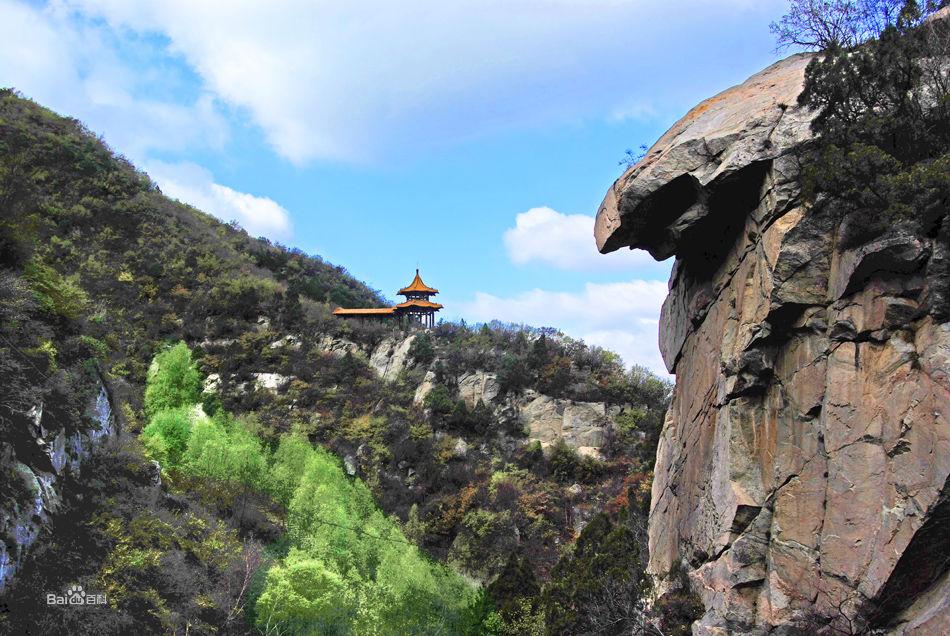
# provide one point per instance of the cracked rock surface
(803, 465)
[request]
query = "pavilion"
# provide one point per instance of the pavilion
(417, 308)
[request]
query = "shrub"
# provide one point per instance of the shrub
(56, 293)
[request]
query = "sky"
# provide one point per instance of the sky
(474, 140)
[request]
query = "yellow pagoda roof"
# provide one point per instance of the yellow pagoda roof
(415, 302)
(417, 286)
(369, 311)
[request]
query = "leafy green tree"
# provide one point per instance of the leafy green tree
(173, 380)
(303, 594)
(289, 462)
(166, 435)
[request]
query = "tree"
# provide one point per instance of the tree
(173, 380)
(822, 24)
(602, 586)
(421, 350)
(166, 436)
(513, 374)
(883, 129)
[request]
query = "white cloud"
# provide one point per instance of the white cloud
(564, 241)
(362, 78)
(76, 68)
(622, 317)
(194, 185)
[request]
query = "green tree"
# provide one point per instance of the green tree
(303, 594)
(421, 350)
(166, 436)
(173, 380)
(513, 374)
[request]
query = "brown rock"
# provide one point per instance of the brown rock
(803, 465)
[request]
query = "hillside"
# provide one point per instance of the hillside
(488, 448)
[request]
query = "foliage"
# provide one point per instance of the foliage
(167, 435)
(350, 568)
(602, 586)
(56, 293)
(883, 127)
(421, 350)
(173, 380)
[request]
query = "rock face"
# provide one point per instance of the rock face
(52, 452)
(389, 358)
(478, 386)
(803, 466)
(582, 425)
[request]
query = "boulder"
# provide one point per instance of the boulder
(804, 465)
(271, 381)
(579, 424)
(289, 341)
(338, 347)
(424, 388)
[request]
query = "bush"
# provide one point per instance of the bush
(56, 293)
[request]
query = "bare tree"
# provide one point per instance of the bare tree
(818, 24)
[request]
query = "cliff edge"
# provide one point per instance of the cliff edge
(803, 466)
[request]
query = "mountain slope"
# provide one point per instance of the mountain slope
(100, 273)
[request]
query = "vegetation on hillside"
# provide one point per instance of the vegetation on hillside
(100, 273)
(344, 566)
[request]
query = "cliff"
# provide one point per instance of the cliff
(803, 466)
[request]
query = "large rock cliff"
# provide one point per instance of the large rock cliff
(38, 463)
(803, 466)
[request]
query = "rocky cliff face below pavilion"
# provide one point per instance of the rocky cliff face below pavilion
(803, 466)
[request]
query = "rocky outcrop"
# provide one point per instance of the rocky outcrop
(478, 386)
(338, 347)
(803, 466)
(582, 425)
(390, 356)
(37, 469)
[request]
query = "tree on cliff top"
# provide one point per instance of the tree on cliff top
(822, 24)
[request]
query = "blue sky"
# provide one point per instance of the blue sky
(473, 139)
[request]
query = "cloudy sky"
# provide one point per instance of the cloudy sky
(472, 139)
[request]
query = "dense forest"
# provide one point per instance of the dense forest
(226, 506)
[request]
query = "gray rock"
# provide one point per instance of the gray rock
(389, 358)
(478, 386)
